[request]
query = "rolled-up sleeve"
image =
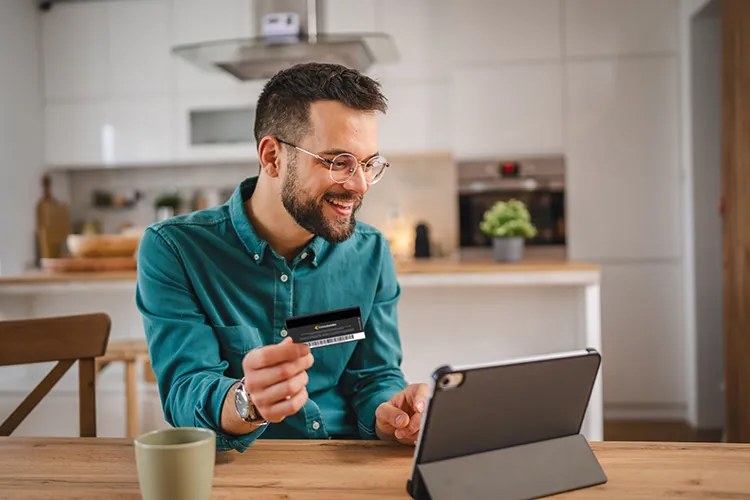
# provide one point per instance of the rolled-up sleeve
(183, 348)
(373, 374)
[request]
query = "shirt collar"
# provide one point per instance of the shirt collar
(245, 231)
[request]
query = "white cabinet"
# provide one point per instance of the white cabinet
(350, 16)
(75, 52)
(140, 60)
(423, 38)
(142, 131)
(507, 110)
(487, 31)
(196, 21)
(623, 159)
(642, 336)
(124, 132)
(417, 120)
(611, 27)
(76, 133)
(108, 83)
(94, 51)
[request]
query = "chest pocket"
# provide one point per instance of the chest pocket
(235, 342)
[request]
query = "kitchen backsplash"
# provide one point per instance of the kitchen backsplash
(416, 189)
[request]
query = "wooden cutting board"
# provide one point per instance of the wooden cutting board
(100, 264)
(52, 223)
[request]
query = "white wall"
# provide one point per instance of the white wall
(700, 24)
(621, 140)
(21, 132)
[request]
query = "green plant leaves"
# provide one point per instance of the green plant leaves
(508, 219)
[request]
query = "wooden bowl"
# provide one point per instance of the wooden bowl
(103, 245)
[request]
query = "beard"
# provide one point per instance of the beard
(307, 211)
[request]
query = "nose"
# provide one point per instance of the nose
(357, 184)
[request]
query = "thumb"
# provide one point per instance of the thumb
(417, 396)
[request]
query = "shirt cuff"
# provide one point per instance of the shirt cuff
(212, 420)
(366, 413)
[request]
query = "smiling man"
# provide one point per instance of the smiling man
(216, 287)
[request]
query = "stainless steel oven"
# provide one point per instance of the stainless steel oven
(537, 181)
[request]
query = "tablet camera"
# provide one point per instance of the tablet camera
(451, 380)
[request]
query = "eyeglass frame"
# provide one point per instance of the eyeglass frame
(332, 161)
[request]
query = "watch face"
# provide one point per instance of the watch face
(241, 403)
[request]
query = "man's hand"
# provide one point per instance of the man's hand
(401, 417)
(275, 378)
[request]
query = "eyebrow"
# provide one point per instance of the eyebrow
(334, 152)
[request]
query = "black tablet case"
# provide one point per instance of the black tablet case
(510, 431)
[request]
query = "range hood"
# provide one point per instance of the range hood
(288, 32)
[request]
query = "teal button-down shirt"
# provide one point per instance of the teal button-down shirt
(210, 290)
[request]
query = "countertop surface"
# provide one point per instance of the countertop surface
(410, 267)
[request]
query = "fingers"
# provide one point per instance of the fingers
(276, 377)
(410, 439)
(280, 391)
(274, 354)
(257, 381)
(416, 396)
(390, 418)
(415, 422)
(279, 411)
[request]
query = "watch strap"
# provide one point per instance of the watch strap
(253, 415)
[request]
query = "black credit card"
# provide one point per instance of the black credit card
(328, 328)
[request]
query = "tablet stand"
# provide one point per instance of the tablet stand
(520, 472)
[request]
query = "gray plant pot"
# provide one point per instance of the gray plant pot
(507, 249)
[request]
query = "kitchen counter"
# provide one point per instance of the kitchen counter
(450, 312)
(413, 272)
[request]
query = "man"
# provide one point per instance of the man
(215, 287)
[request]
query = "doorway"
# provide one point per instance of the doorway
(706, 364)
(736, 229)
(717, 196)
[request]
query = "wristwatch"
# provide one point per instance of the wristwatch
(245, 407)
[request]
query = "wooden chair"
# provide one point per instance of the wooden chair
(130, 353)
(65, 339)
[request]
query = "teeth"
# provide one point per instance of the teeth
(340, 204)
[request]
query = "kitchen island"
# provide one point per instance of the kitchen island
(450, 312)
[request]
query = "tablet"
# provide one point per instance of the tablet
(479, 408)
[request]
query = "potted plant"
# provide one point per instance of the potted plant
(167, 205)
(508, 224)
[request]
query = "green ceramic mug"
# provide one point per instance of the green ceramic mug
(176, 463)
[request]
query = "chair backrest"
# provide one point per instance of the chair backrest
(65, 339)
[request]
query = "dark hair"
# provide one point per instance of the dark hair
(284, 104)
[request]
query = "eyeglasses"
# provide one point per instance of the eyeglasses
(342, 167)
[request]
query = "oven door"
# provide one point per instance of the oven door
(546, 207)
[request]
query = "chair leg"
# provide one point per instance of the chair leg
(131, 398)
(87, 397)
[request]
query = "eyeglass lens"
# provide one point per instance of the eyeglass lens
(344, 166)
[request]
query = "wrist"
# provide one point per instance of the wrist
(246, 409)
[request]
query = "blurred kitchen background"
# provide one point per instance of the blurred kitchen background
(581, 108)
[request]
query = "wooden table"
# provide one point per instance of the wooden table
(43, 468)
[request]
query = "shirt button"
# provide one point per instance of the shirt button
(284, 277)
(304, 255)
(316, 425)
(283, 333)
(256, 256)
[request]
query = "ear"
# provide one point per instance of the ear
(269, 156)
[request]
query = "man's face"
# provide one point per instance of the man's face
(315, 201)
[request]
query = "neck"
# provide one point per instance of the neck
(272, 222)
